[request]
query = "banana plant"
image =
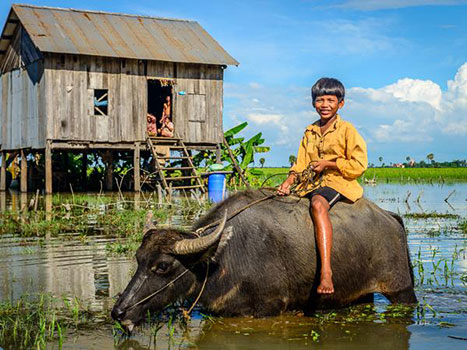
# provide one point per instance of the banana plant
(243, 151)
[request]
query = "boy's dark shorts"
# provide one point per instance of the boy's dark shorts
(330, 194)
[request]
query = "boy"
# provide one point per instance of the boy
(337, 154)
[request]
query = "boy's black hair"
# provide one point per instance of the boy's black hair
(328, 86)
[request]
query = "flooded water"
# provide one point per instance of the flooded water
(80, 266)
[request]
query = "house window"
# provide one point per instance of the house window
(101, 101)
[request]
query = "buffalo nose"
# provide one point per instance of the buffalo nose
(117, 313)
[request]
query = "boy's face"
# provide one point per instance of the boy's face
(327, 106)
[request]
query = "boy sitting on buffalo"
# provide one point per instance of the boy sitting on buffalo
(336, 153)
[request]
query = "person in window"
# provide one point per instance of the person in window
(167, 127)
(151, 124)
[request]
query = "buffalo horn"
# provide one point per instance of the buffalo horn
(149, 225)
(196, 245)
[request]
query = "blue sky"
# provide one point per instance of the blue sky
(403, 62)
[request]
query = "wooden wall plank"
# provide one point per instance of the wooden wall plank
(60, 106)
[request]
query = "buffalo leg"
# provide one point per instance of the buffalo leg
(406, 296)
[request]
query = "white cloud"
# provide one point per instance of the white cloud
(400, 131)
(409, 117)
(412, 110)
(414, 90)
(255, 85)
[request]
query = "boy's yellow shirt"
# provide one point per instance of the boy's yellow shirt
(340, 143)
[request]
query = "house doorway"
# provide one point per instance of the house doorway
(159, 93)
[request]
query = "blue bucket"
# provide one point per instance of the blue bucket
(216, 187)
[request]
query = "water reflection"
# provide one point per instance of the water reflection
(81, 267)
(62, 268)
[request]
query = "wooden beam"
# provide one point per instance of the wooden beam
(48, 167)
(3, 172)
(24, 172)
(136, 164)
(77, 145)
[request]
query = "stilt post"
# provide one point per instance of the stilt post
(136, 164)
(109, 171)
(3, 172)
(24, 172)
(48, 167)
(84, 170)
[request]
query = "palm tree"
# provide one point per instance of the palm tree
(431, 158)
(261, 161)
(407, 158)
(292, 160)
(381, 160)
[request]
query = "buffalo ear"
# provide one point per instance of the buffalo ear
(150, 224)
(226, 235)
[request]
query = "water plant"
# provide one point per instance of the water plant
(25, 324)
(429, 215)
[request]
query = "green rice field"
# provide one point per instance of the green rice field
(388, 174)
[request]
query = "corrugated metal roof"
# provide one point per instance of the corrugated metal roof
(119, 35)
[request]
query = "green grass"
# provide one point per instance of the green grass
(34, 321)
(434, 215)
(463, 226)
(383, 174)
(417, 174)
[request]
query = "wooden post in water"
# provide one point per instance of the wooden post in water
(23, 201)
(109, 171)
(159, 195)
(48, 210)
(24, 172)
(136, 164)
(2, 200)
(3, 172)
(48, 167)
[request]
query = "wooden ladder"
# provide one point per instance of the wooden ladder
(165, 165)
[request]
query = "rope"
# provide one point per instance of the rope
(159, 290)
(305, 178)
(186, 314)
(235, 213)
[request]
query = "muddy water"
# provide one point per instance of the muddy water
(80, 267)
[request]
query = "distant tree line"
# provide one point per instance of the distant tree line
(429, 163)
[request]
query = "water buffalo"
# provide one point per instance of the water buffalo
(263, 261)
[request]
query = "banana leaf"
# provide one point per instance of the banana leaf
(262, 149)
(236, 129)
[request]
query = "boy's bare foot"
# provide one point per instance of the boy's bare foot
(326, 286)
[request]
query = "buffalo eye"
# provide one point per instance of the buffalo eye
(161, 267)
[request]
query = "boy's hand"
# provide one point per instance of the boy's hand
(321, 165)
(284, 189)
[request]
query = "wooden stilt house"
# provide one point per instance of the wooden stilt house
(80, 81)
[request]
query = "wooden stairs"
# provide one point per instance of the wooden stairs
(174, 165)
